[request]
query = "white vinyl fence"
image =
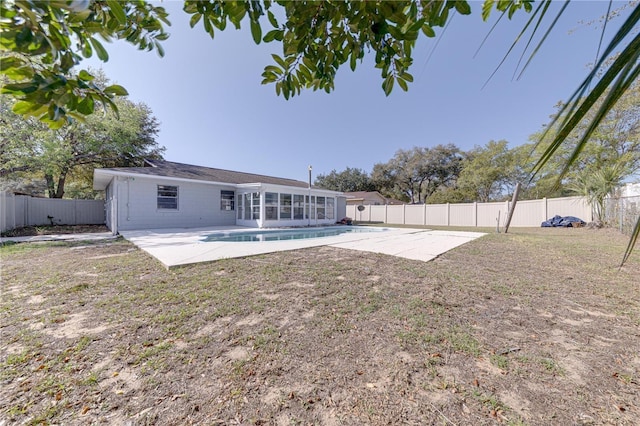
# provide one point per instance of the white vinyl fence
(529, 213)
(20, 210)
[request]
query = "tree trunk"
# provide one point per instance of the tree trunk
(50, 185)
(60, 190)
(56, 191)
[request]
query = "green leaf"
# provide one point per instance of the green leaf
(87, 51)
(463, 7)
(116, 90)
(387, 85)
(273, 69)
(85, 76)
(271, 35)
(280, 61)
(406, 76)
(117, 11)
(100, 50)
(86, 106)
(24, 107)
(194, 19)
(428, 31)
(403, 84)
(272, 19)
(487, 6)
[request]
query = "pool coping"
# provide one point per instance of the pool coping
(183, 246)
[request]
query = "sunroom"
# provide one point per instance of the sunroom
(268, 206)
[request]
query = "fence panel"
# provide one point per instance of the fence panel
(528, 213)
(377, 214)
(414, 214)
(90, 212)
(395, 214)
(489, 213)
(7, 211)
(17, 211)
(462, 214)
(437, 214)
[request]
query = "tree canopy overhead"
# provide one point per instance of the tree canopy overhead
(41, 41)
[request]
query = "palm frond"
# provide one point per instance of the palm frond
(632, 243)
(542, 9)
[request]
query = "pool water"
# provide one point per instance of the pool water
(285, 234)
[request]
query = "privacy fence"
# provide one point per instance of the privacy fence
(21, 210)
(622, 213)
(527, 213)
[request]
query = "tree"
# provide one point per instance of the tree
(487, 172)
(30, 148)
(42, 41)
(348, 180)
(417, 173)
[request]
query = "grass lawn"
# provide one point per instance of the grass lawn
(534, 327)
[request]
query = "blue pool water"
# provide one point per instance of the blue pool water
(284, 234)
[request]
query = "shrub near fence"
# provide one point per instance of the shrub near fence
(528, 213)
(17, 211)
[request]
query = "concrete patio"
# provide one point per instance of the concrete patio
(174, 247)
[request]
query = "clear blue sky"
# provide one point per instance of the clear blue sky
(214, 111)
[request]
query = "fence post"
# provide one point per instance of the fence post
(424, 215)
(404, 214)
(448, 214)
(545, 208)
(475, 214)
(386, 206)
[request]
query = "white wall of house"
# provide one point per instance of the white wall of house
(137, 204)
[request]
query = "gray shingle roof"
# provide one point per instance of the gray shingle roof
(188, 171)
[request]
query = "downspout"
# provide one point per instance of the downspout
(128, 197)
(114, 206)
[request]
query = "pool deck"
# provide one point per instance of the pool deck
(175, 247)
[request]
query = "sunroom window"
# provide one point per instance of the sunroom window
(271, 205)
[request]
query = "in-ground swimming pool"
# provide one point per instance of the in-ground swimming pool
(285, 234)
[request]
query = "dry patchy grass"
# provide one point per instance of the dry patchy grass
(534, 327)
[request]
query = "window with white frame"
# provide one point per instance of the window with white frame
(271, 206)
(320, 207)
(298, 207)
(227, 200)
(239, 205)
(247, 206)
(255, 206)
(330, 211)
(167, 197)
(285, 206)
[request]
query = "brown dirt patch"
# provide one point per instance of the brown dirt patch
(30, 231)
(534, 327)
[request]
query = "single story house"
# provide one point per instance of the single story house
(164, 194)
(369, 198)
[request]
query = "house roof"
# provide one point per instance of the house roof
(171, 169)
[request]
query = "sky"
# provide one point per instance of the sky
(214, 111)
